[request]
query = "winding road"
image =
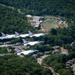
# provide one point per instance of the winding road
(40, 60)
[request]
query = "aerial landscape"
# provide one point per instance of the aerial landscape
(37, 37)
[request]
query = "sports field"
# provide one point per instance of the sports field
(50, 22)
(49, 25)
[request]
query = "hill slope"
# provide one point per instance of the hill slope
(48, 7)
(11, 21)
(13, 65)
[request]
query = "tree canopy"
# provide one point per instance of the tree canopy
(11, 21)
(14, 65)
(45, 7)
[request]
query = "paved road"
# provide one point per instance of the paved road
(39, 60)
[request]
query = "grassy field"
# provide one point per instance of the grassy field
(50, 26)
(51, 22)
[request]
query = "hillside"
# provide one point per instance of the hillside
(13, 65)
(45, 7)
(13, 18)
(11, 21)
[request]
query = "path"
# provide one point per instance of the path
(39, 60)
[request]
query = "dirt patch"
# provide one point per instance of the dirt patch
(64, 51)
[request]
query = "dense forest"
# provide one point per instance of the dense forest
(45, 7)
(60, 36)
(14, 65)
(11, 21)
(58, 62)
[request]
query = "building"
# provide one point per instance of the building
(35, 56)
(56, 47)
(56, 51)
(47, 52)
(28, 16)
(69, 63)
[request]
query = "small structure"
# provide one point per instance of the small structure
(56, 51)
(47, 52)
(8, 42)
(56, 47)
(18, 43)
(60, 22)
(28, 16)
(34, 20)
(69, 63)
(35, 56)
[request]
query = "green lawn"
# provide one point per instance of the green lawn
(50, 26)
(50, 22)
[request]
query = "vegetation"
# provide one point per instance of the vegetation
(3, 50)
(11, 21)
(58, 62)
(50, 26)
(47, 7)
(13, 65)
(43, 48)
(60, 36)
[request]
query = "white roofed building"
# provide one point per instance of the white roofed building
(28, 16)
